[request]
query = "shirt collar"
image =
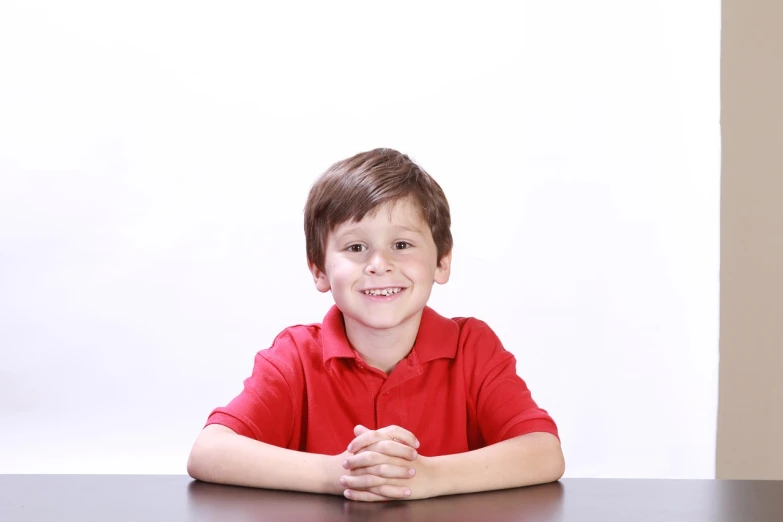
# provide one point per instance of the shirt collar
(437, 337)
(334, 341)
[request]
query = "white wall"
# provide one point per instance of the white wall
(155, 158)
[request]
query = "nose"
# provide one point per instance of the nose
(379, 262)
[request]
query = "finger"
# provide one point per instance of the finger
(359, 429)
(372, 458)
(388, 433)
(364, 496)
(400, 435)
(390, 448)
(386, 471)
(396, 493)
(362, 481)
(379, 449)
(375, 441)
(392, 491)
(365, 439)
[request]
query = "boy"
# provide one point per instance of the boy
(385, 399)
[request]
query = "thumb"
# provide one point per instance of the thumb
(359, 429)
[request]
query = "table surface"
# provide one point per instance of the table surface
(121, 498)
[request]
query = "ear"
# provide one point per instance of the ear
(319, 277)
(443, 271)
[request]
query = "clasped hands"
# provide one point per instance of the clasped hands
(383, 465)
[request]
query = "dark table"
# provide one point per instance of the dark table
(121, 498)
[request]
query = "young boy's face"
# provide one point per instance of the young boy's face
(381, 269)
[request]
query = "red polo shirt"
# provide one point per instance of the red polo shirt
(457, 390)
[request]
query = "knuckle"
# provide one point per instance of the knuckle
(389, 491)
(377, 493)
(361, 496)
(374, 458)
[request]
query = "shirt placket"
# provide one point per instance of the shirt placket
(390, 400)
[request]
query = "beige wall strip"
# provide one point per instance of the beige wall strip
(750, 412)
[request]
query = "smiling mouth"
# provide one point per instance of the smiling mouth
(383, 291)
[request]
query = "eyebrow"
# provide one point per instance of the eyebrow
(354, 229)
(409, 229)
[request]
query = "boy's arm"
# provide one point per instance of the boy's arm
(535, 458)
(220, 455)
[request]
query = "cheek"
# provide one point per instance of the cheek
(420, 267)
(342, 273)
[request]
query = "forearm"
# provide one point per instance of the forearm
(220, 455)
(535, 458)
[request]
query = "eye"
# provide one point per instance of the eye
(356, 248)
(402, 245)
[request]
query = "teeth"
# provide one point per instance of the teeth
(385, 291)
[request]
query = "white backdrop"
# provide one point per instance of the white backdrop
(155, 158)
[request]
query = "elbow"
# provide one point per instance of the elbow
(201, 460)
(558, 464)
(195, 465)
(544, 459)
(550, 461)
(555, 460)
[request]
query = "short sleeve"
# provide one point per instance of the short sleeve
(266, 406)
(504, 406)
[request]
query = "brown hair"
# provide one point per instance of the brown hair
(353, 187)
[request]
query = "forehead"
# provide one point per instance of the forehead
(403, 214)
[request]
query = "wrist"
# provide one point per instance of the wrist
(432, 479)
(441, 480)
(331, 471)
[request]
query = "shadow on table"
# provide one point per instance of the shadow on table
(231, 503)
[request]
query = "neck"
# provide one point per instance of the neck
(383, 349)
